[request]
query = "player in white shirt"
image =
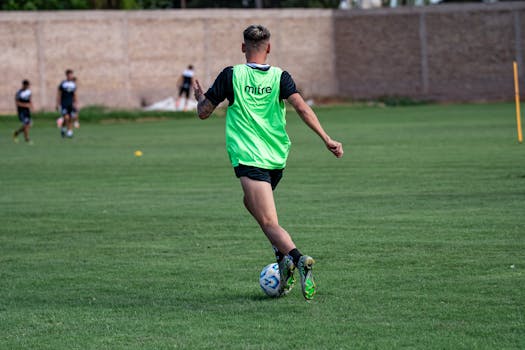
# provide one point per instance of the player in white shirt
(24, 107)
(186, 82)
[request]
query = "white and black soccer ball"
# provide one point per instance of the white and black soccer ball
(270, 280)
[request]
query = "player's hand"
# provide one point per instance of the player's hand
(197, 90)
(335, 147)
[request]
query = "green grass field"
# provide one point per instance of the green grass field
(418, 233)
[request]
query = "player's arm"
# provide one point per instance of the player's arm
(221, 89)
(204, 106)
(310, 119)
(75, 100)
(22, 104)
(57, 102)
(18, 103)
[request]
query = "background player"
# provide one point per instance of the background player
(186, 82)
(66, 103)
(24, 107)
(75, 115)
(258, 144)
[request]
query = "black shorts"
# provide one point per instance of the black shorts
(184, 90)
(74, 113)
(67, 110)
(271, 176)
(25, 117)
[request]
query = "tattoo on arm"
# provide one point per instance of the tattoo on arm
(205, 108)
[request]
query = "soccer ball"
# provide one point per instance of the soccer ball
(270, 280)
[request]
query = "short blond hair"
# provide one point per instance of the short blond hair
(256, 35)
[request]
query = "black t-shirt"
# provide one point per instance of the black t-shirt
(187, 77)
(222, 88)
(67, 90)
(23, 95)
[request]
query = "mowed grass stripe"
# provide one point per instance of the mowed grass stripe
(417, 231)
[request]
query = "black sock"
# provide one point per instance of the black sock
(296, 255)
(278, 255)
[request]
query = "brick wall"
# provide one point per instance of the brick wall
(446, 52)
(122, 58)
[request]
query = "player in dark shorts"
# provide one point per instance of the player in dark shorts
(187, 82)
(75, 115)
(258, 144)
(24, 107)
(66, 103)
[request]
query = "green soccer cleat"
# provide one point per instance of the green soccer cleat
(307, 280)
(15, 137)
(286, 270)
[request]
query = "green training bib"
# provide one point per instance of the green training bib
(256, 121)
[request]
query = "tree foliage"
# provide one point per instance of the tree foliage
(44, 4)
(33, 5)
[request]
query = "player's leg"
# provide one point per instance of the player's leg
(304, 266)
(22, 118)
(17, 132)
(69, 123)
(62, 121)
(177, 103)
(187, 93)
(279, 255)
(258, 198)
(26, 128)
(65, 126)
(76, 118)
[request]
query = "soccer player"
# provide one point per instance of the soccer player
(24, 107)
(185, 86)
(66, 103)
(75, 115)
(258, 145)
